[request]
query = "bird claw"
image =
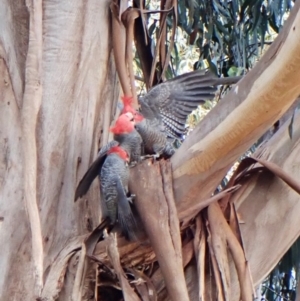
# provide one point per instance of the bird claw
(154, 157)
(131, 198)
(132, 164)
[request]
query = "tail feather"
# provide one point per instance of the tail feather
(125, 215)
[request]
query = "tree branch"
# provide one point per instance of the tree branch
(161, 223)
(268, 206)
(244, 114)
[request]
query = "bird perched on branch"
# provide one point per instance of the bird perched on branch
(114, 177)
(164, 109)
(126, 137)
(111, 165)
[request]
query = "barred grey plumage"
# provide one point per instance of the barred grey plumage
(111, 165)
(113, 171)
(155, 140)
(166, 107)
(130, 140)
(172, 101)
(114, 177)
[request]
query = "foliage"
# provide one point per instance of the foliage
(226, 36)
(282, 282)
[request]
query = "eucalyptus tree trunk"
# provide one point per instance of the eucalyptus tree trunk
(59, 91)
(58, 97)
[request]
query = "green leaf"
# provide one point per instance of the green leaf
(234, 71)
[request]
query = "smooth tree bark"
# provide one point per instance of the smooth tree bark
(268, 207)
(58, 95)
(59, 91)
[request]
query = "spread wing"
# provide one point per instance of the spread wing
(172, 101)
(93, 170)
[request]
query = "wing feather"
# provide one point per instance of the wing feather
(93, 171)
(172, 101)
(125, 215)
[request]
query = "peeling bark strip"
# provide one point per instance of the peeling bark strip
(31, 105)
(132, 254)
(55, 280)
(119, 45)
(155, 204)
(166, 173)
(221, 235)
(128, 18)
(199, 247)
(113, 253)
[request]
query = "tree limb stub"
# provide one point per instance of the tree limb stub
(154, 198)
(263, 95)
